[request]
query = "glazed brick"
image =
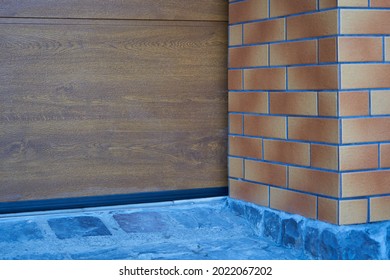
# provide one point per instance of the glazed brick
(327, 49)
(265, 126)
(327, 103)
(283, 7)
(379, 209)
(353, 3)
(265, 31)
(235, 35)
(365, 130)
(371, 22)
(380, 102)
(235, 124)
(324, 156)
(248, 56)
(236, 166)
(351, 49)
(385, 155)
(380, 3)
(293, 202)
(358, 157)
(245, 147)
(293, 103)
(313, 129)
(312, 25)
(266, 173)
(234, 79)
(314, 181)
(353, 211)
(265, 79)
(366, 183)
(365, 76)
(326, 4)
(328, 210)
(313, 77)
(248, 10)
(354, 103)
(287, 152)
(304, 52)
(250, 192)
(252, 102)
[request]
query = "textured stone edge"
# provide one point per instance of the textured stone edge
(316, 239)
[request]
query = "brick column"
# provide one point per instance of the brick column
(309, 107)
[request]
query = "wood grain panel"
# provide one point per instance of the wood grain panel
(91, 108)
(209, 10)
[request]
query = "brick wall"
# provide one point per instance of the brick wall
(309, 107)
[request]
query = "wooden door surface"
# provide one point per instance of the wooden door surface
(111, 97)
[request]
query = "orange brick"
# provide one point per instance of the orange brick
(353, 3)
(287, 152)
(327, 49)
(252, 102)
(236, 166)
(245, 147)
(248, 56)
(353, 211)
(365, 130)
(380, 102)
(313, 129)
(327, 103)
(248, 10)
(365, 76)
(265, 126)
(266, 173)
(328, 210)
(304, 52)
(354, 103)
(250, 192)
(380, 3)
(380, 209)
(234, 79)
(326, 4)
(313, 77)
(283, 7)
(235, 35)
(235, 123)
(358, 157)
(366, 183)
(312, 25)
(314, 181)
(265, 79)
(385, 155)
(293, 202)
(387, 50)
(324, 156)
(365, 22)
(265, 31)
(360, 49)
(293, 103)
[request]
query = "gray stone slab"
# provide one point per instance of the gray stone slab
(20, 231)
(73, 227)
(141, 222)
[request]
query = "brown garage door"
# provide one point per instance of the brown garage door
(103, 98)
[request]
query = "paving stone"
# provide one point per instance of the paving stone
(272, 226)
(141, 222)
(292, 233)
(329, 246)
(72, 227)
(312, 241)
(19, 231)
(359, 246)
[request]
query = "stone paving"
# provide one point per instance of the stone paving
(205, 229)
